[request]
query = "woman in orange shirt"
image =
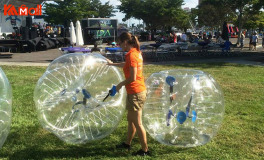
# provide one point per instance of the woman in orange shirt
(136, 91)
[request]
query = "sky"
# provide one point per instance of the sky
(120, 16)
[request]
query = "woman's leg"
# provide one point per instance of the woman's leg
(131, 129)
(254, 46)
(135, 117)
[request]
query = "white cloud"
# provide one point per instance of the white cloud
(113, 2)
(190, 3)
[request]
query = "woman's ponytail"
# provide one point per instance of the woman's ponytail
(131, 40)
(135, 42)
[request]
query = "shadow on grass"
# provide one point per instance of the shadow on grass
(69, 152)
(41, 144)
(212, 65)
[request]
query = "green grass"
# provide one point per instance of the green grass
(241, 135)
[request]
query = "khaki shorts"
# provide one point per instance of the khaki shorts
(135, 102)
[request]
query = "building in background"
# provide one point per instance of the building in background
(7, 23)
(187, 9)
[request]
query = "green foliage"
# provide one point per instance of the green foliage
(155, 13)
(255, 21)
(239, 137)
(236, 11)
(219, 11)
(213, 13)
(73, 10)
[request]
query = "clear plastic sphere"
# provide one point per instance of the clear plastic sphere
(184, 108)
(5, 107)
(70, 98)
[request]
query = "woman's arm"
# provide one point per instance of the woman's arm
(121, 65)
(132, 78)
(110, 63)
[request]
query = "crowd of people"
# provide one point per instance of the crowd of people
(204, 39)
(174, 37)
(48, 30)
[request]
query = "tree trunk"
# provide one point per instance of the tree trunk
(240, 25)
(153, 33)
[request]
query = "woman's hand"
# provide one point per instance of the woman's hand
(109, 62)
(119, 86)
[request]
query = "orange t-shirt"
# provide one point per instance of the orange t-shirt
(134, 59)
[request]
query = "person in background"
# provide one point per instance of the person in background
(250, 42)
(95, 48)
(263, 39)
(41, 30)
(221, 41)
(196, 39)
(136, 91)
(242, 39)
(174, 37)
(254, 41)
(184, 37)
(113, 44)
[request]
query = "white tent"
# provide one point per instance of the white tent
(72, 34)
(79, 37)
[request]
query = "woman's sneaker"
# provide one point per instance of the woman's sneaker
(123, 146)
(142, 153)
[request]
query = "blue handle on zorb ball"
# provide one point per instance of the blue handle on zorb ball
(170, 80)
(113, 91)
(86, 94)
(181, 117)
(194, 117)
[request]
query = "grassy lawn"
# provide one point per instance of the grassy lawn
(241, 135)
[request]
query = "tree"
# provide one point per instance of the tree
(156, 14)
(241, 9)
(213, 13)
(181, 21)
(256, 21)
(106, 10)
(73, 10)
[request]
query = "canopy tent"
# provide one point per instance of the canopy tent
(72, 34)
(79, 36)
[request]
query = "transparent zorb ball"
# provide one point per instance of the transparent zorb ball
(76, 98)
(5, 107)
(184, 108)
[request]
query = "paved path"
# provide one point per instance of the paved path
(241, 60)
(24, 64)
(43, 58)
